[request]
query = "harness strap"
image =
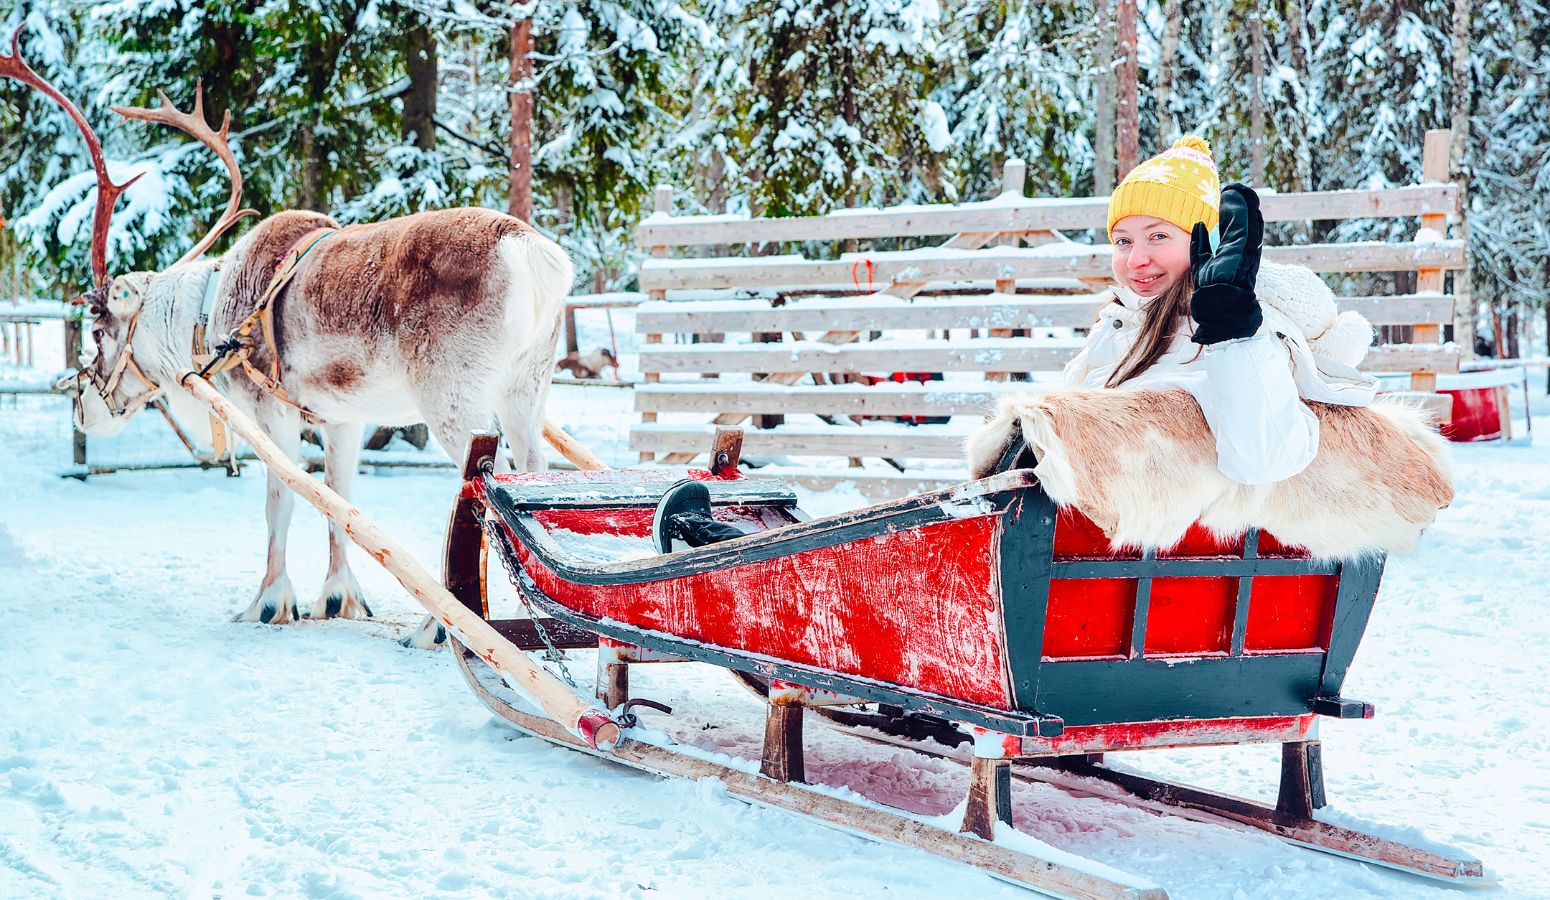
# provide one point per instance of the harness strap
(236, 350)
(220, 437)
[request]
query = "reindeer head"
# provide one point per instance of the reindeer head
(111, 387)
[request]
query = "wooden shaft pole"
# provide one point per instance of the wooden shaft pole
(581, 717)
(572, 449)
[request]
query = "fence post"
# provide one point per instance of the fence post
(1012, 178)
(1434, 168)
(72, 360)
(662, 202)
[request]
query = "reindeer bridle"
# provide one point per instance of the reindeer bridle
(106, 386)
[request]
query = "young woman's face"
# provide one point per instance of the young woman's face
(1149, 254)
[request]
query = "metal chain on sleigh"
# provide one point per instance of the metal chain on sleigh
(551, 652)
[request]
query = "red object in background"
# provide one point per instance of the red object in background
(1479, 414)
(901, 378)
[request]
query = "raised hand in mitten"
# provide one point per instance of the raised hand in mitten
(1224, 306)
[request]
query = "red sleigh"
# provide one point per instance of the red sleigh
(978, 620)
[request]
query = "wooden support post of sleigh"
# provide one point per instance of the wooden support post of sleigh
(1053, 653)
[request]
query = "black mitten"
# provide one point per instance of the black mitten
(1224, 306)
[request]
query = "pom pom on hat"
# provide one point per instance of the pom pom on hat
(1193, 142)
(1179, 185)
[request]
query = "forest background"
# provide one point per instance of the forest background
(569, 113)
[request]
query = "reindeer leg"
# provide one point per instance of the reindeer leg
(525, 439)
(451, 425)
(342, 595)
(276, 600)
(521, 414)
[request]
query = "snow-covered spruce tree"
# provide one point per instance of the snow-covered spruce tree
(429, 153)
(703, 152)
(47, 185)
(1383, 67)
(313, 89)
(1014, 86)
(1218, 90)
(602, 112)
(837, 110)
(1508, 156)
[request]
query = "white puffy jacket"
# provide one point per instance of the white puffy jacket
(1250, 389)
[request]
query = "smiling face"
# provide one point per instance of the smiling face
(1149, 254)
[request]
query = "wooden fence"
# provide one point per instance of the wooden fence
(975, 310)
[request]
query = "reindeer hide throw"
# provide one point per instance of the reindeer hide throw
(1142, 465)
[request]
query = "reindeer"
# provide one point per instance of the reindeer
(448, 318)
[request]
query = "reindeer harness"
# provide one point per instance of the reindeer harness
(237, 348)
(231, 353)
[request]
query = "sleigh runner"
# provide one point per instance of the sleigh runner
(979, 622)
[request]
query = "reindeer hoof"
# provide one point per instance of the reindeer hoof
(268, 610)
(430, 635)
(274, 605)
(341, 598)
(341, 606)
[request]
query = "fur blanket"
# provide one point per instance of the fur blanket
(1142, 465)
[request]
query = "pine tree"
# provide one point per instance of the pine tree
(1508, 156)
(840, 93)
(1018, 85)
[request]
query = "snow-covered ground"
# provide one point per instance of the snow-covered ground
(149, 747)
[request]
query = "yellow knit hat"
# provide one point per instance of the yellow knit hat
(1178, 186)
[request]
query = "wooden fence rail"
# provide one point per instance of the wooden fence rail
(1006, 294)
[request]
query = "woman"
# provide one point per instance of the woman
(1183, 316)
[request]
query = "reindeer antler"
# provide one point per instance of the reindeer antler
(14, 66)
(194, 124)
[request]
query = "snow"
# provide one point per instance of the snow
(933, 123)
(148, 746)
(603, 547)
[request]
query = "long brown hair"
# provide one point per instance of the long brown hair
(1161, 320)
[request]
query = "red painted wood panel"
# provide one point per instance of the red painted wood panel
(918, 608)
(1186, 616)
(1191, 616)
(1077, 537)
(1089, 617)
(1197, 541)
(1269, 548)
(1290, 612)
(1173, 733)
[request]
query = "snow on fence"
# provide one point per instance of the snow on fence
(1007, 295)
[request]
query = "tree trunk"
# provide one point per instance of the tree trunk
(419, 125)
(1128, 107)
(311, 171)
(1166, 60)
(1257, 99)
(521, 99)
(1302, 155)
(1103, 103)
(1458, 154)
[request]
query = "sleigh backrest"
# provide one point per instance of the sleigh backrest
(1210, 628)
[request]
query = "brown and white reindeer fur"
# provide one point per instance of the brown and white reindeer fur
(1142, 465)
(446, 317)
